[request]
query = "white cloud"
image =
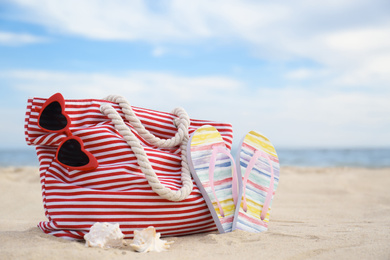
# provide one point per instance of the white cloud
(348, 38)
(148, 87)
(15, 39)
(174, 21)
(361, 39)
(303, 73)
(290, 116)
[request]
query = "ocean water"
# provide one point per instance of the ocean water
(370, 158)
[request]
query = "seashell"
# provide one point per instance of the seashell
(147, 240)
(104, 235)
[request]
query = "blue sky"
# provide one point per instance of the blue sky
(304, 73)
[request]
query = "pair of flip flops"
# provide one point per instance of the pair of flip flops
(238, 192)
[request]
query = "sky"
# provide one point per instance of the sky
(307, 74)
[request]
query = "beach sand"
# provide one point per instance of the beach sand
(318, 213)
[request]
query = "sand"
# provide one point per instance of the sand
(318, 213)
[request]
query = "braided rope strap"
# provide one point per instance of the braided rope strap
(181, 137)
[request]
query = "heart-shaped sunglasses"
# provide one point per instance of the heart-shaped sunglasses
(70, 153)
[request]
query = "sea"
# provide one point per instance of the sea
(362, 157)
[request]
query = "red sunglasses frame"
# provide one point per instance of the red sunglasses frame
(92, 164)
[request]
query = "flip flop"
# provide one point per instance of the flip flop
(214, 171)
(259, 167)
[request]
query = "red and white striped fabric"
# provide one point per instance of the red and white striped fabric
(117, 190)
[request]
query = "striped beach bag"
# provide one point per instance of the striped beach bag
(106, 161)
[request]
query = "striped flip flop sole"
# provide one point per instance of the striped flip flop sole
(215, 186)
(258, 164)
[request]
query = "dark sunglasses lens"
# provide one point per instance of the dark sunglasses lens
(52, 118)
(70, 154)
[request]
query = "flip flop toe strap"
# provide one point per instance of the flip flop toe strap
(270, 190)
(213, 159)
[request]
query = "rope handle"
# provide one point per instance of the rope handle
(181, 137)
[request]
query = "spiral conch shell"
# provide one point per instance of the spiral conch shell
(147, 240)
(104, 235)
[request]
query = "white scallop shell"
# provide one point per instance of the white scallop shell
(104, 235)
(147, 240)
